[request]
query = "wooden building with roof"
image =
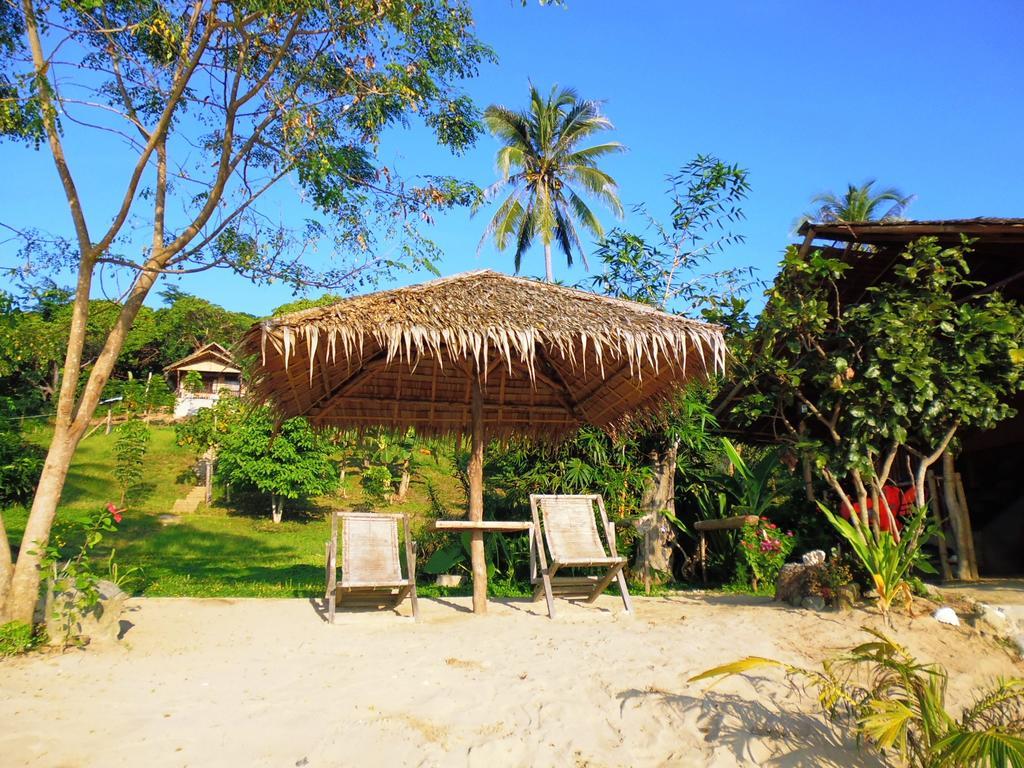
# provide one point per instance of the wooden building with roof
(211, 370)
(988, 463)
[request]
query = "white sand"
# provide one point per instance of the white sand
(267, 683)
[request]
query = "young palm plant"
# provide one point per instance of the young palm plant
(547, 173)
(897, 705)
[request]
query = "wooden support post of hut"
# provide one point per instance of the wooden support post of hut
(724, 524)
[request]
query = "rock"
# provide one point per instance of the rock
(1019, 642)
(791, 583)
(814, 557)
(846, 597)
(166, 518)
(101, 622)
(813, 603)
(996, 618)
(449, 579)
(946, 615)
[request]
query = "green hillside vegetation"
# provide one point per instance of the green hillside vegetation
(227, 549)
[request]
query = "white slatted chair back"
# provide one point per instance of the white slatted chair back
(570, 527)
(370, 549)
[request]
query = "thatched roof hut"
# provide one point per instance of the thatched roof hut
(549, 358)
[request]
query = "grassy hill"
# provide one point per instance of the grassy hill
(226, 549)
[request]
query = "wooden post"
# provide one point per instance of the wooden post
(476, 495)
(110, 417)
(961, 496)
(933, 492)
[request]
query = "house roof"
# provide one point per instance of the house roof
(209, 357)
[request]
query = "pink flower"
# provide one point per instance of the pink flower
(114, 511)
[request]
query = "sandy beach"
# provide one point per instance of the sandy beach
(268, 683)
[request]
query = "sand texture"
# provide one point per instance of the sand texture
(268, 683)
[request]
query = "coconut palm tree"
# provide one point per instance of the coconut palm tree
(861, 203)
(546, 172)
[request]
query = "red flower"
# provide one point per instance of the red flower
(114, 511)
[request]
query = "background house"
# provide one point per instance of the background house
(200, 378)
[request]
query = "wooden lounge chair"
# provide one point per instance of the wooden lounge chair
(371, 575)
(568, 526)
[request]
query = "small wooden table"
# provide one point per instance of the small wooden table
(486, 526)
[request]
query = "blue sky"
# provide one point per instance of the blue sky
(808, 96)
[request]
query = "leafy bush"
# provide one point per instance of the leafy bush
(826, 579)
(378, 482)
(16, 637)
(763, 551)
(21, 463)
(901, 707)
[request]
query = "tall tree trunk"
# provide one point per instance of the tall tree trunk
(655, 553)
(276, 507)
(24, 586)
(548, 271)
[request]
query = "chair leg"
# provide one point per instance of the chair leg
(627, 601)
(330, 604)
(545, 577)
(604, 581)
(412, 582)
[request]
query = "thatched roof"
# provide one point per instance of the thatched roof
(551, 357)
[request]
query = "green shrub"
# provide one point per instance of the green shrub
(16, 637)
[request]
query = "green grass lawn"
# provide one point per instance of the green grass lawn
(227, 549)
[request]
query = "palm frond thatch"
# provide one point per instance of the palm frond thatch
(552, 358)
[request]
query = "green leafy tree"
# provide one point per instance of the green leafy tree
(291, 463)
(213, 106)
(545, 170)
(859, 203)
(901, 372)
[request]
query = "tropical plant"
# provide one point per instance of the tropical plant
(545, 170)
(755, 488)
(130, 447)
(859, 203)
(290, 462)
(897, 705)
(889, 556)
